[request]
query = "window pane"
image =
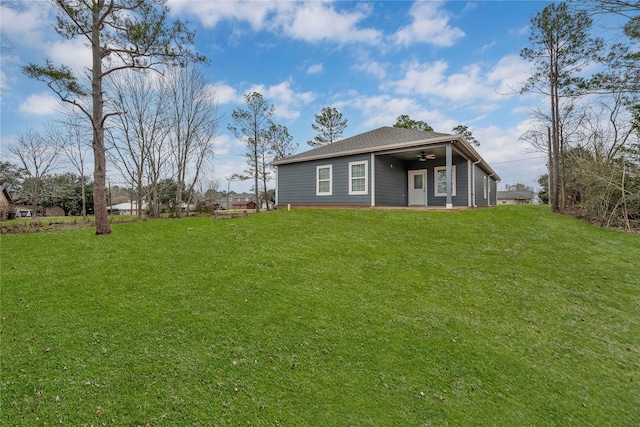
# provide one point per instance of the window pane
(323, 186)
(442, 187)
(442, 175)
(357, 171)
(323, 173)
(358, 184)
(417, 182)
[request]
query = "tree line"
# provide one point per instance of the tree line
(590, 127)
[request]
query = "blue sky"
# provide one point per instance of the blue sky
(446, 63)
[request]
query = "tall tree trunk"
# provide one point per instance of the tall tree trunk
(34, 200)
(256, 165)
(555, 120)
(179, 198)
(99, 153)
(84, 197)
(139, 196)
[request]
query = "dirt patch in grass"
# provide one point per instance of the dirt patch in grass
(40, 225)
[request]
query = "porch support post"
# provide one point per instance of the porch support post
(449, 165)
(277, 192)
(372, 179)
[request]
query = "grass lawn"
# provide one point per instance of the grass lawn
(508, 316)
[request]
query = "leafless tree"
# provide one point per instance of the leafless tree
(73, 138)
(193, 119)
(121, 34)
(139, 134)
(38, 157)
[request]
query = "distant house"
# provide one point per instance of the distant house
(127, 208)
(388, 167)
(242, 197)
(243, 201)
(209, 205)
(6, 204)
(523, 197)
(244, 205)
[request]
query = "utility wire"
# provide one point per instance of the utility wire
(518, 160)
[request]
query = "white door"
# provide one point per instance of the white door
(418, 188)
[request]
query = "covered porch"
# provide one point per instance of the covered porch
(430, 176)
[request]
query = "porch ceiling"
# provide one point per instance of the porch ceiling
(414, 152)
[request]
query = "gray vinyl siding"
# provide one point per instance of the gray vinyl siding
(494, 191)
(391, 182)
(481, 200)
(297, 183)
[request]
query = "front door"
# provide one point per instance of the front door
(418, 188)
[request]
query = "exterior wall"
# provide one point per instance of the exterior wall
(480, 199)
(391, 182)
(297, 183)
(492, 189)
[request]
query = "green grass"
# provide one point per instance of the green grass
(511, 316)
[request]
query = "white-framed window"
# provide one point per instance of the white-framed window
(324, 180)
(440, 178)
(358, 177)
(485, 183)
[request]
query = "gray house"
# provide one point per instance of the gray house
(391, 167)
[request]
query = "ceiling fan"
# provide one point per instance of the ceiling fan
(422, 157)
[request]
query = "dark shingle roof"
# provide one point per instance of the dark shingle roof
(382, 138)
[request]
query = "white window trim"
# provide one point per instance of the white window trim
(330, 192)
(435, 181)
(366, 178)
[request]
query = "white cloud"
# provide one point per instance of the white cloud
(309, 21)
(383, 110)
(225, 94)
(320, 21)
(430, 25)
(24, 22)
(470, 83)
(287, 102)
(519, 31)
(3, 83)
(487, 46)
(72, 53)
(509, 74)
(210, 13)
(431, 79)
(315, 69)
(420, 78)
(511, 158)
(40, 104)
(371, 67)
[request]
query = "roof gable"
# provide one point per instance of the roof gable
(6, 194)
